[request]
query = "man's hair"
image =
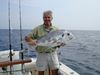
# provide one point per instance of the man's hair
(48, 12)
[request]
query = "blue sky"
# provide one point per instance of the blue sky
(68, 14)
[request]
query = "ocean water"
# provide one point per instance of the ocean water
(82, 54)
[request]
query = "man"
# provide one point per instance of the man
(47, 58)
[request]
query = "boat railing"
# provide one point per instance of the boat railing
(14, 62)
(5, 64)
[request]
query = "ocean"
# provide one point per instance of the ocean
(82, 54)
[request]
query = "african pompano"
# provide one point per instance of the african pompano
(55, 38)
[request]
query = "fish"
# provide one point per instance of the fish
(55, 38)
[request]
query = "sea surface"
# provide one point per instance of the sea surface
(82, 54)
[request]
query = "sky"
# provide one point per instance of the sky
(67, 14)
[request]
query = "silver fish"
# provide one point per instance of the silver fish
(55, 38)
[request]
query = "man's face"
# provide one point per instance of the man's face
(47, 19)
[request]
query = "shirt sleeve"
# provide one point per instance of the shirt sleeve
(33, 34)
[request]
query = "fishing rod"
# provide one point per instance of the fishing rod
(10, 46)
(21, 43)
(20, 24)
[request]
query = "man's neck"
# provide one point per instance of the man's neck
(47, 26)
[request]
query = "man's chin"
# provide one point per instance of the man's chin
(48, 23)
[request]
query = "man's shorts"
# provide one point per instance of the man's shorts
(47, 60)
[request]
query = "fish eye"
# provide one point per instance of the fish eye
(68, 34)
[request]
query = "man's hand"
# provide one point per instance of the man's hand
(62, 44)
(30, 41)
